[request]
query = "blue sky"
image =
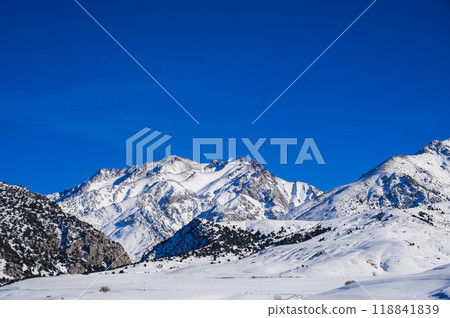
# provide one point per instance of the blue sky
(69, 96)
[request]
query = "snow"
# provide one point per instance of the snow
(198, 280)
(433, 284)
(201, 280)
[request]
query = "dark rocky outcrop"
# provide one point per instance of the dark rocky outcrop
(202, 238)
(38, 239)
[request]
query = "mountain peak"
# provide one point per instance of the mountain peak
(437, 147)
(400, 182)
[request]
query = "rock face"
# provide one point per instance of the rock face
(202, 238)
(38, 239)
(144, 205)
(401, 182)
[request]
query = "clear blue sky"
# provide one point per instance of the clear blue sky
(69, 96)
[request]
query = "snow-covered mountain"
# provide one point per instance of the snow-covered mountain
(400, 182)
(144, 205)
(38, 239)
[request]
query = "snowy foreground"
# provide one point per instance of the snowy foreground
(393, 255)
(227, 280)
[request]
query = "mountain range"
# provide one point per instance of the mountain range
(394, 220)
(144, 205)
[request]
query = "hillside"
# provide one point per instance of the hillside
(38, 239)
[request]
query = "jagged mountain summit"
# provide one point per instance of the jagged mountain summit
(38, 239)
(143, 205)
(400, 182)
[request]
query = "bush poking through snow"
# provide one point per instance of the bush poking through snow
(276, 297)
(104, 289)
(349, 282)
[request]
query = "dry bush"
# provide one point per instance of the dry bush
(104, 289)
(349, 282)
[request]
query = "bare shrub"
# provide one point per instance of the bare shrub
(276, 297)
(104, 289)
(349, 282)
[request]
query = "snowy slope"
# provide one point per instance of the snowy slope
(377, 242)
(432, 284)
(373, 243)
(143, 205)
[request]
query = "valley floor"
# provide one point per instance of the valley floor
(227, 280)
